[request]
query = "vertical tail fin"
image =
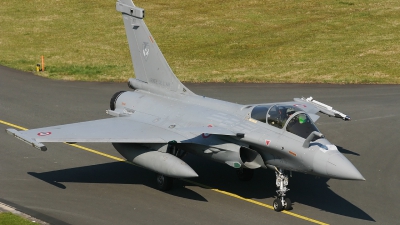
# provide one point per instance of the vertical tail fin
(149, 63)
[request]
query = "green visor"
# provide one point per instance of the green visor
(302, 119)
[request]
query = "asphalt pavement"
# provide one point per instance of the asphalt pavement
(69, 185)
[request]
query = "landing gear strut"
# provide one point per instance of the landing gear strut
(173, 150)
(165, 183)
(281, 202)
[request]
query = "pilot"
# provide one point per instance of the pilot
(289, 112)
(285, 113)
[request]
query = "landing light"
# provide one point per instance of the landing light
(279, 181)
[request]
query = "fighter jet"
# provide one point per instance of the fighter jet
(161, 120)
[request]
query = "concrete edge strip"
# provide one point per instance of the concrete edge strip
(6, 208)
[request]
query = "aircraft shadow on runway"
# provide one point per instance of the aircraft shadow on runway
(346, 151)
(111, 173)
(305, 189)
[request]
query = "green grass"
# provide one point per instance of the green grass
(336, 41)
(11, 219)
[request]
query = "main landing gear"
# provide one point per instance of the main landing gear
(281, 202)
(165, 183)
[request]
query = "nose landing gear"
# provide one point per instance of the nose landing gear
(281, 202)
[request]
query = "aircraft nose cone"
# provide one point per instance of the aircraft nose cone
(340, 167)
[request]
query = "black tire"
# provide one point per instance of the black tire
(288, 205)
(164, 183)
(277, 205)
(245, 174)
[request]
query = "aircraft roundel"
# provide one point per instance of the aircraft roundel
(206, 135)
(43, 133)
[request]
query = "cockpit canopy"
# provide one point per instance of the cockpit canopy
(275, 115)
(285, 116)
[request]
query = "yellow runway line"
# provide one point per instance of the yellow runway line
(186, 180)
(97, 152)
(12, 125)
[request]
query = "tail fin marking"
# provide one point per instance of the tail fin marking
(148, 62)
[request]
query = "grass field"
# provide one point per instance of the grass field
(336, 41)
(7, 218)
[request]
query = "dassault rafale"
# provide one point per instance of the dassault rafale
(161, 120)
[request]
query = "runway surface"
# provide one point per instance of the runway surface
(68, 185)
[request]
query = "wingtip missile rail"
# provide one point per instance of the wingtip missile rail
(324, 108)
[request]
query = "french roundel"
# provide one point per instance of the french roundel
(43, 133)
(206, 135)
